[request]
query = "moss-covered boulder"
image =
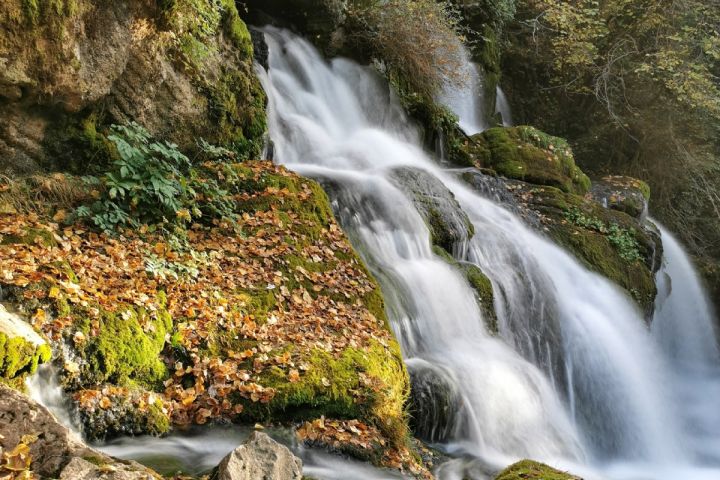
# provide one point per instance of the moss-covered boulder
(268, 316)
(609, 242)
(449, 225)
(21, 349)
(525, 153)
(182, 68)
(530, 470)
(625, 194)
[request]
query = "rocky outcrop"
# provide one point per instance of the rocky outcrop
(260, 458)
(535, 175)
(53, 449)
(183, 70)
(21, 349)
(449, 225)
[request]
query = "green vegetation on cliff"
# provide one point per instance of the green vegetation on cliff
(529, 470)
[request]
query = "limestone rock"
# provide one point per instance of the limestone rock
(260, 458)
(79, 469)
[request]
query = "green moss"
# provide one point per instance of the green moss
(608, 242)
(525, 153)
(484, 295)
(367, 384)
(20, 358)
(126, 349)
(530, 470)
(31, 236)
(236, 29)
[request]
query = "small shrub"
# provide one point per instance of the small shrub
(415, 39)
(152, 183)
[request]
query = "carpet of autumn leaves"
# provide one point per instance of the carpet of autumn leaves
(269, 317)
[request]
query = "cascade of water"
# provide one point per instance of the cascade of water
(575, 370)
(465, 95)
(502, 107)
(685, 328)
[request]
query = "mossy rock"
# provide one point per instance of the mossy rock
(609, 242)
(527, 154)
(122, 347)
(625, 194)
(371, 383)
(530, 470)
(21, 350)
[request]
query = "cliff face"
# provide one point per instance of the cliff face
(181, 68)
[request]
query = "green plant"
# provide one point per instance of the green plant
(146, 182)
(622, 239)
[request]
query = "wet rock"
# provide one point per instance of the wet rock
(624, 194)
(260, 458)
(449, 225)
(55, 447)
(434, 403)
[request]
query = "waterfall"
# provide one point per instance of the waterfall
(465, 95)
(502, 107)
(574, 376)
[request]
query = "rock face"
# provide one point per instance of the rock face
(71, 67)
(56, 451)
(260, 458)
(447, 222)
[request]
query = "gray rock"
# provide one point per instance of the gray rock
(79, 469)
(260, 458)
(57, 451)
(449, 225)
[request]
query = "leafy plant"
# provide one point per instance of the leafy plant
(622, 239)
(152, 183)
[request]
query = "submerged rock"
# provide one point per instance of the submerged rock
(449, 225)
(260, 458)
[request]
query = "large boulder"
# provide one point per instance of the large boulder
(448, 223)
(80, 469)
(260, 458)
(624, 194)
(527, 154)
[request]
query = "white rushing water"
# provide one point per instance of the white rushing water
(575, 376)
(465, 95)
(502, 107)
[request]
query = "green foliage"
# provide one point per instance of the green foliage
(153, 183)
(622, 239)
